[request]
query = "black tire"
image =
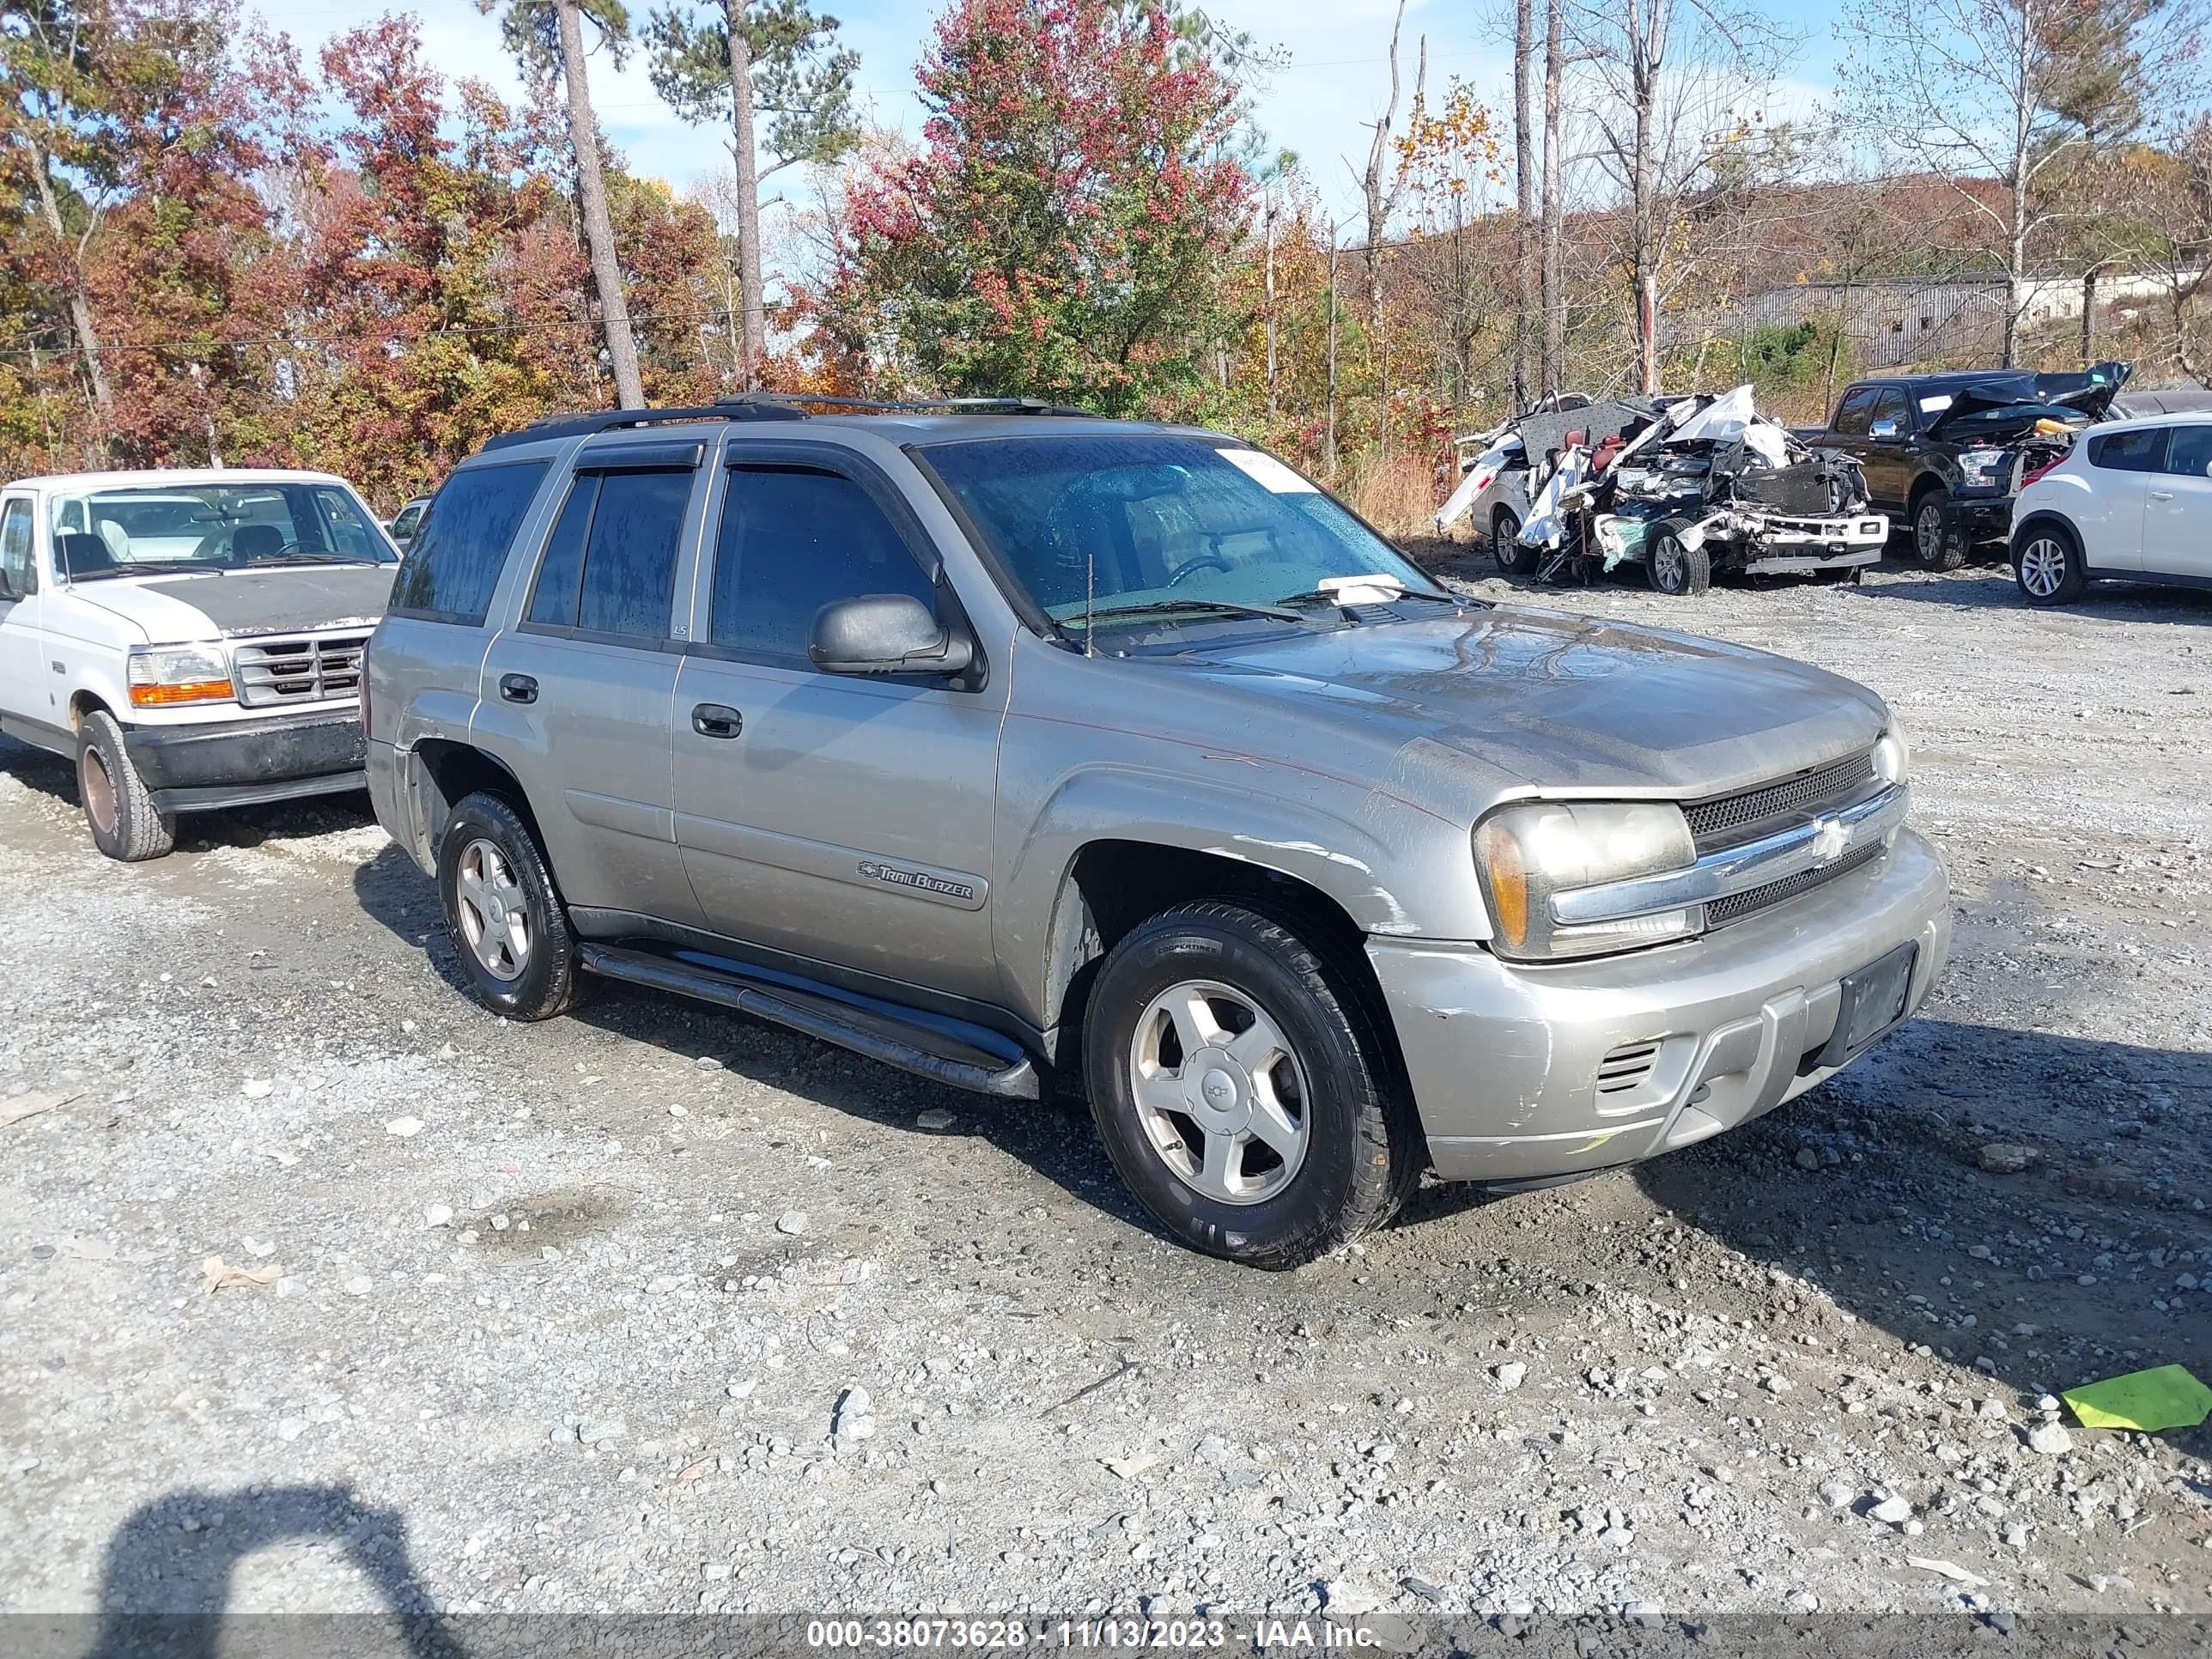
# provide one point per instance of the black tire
(1936, 541)
(2044, 549)
(1505, 548)
(1362, 1152)
(117, 809)
(1676, 569)
(548, 979)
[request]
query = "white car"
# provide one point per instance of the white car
(2131, 501)
(191, 639)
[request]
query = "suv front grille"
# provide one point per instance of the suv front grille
(1736, 906)
(1727, 819)
(307, 669)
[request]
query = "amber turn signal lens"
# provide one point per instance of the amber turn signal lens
(1509, 884)
(155, 696)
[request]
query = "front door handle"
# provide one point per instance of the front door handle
(714, 720)
(2161, 494)
(517, 687)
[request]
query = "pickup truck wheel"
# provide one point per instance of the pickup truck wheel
(1678, 569)
(1242, 1089)
(116, 807)
(1505, 548)
(2048, 568)
(1934, 541)
(509, 928)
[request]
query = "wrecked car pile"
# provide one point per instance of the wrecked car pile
(1687, 486)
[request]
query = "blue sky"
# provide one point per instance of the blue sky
(1336, 79)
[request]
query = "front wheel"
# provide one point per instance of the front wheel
(509, 928)
(1243, 1091)
(1505, 548)
(118, 808)
(1677, 567)
(2049, 568)
(1935, 543)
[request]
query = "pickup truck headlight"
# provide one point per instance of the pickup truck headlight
(1525, 853)
(1982, 466)
(162, 676)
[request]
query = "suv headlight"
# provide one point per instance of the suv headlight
(164, 675)
(1979, 466)
(1525, 853)
(1893, 755)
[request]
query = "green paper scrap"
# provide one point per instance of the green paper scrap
(2166, 1397)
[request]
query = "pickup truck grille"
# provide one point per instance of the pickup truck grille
(1726, 820)
(307, 669)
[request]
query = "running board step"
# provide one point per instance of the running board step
(943, 1050)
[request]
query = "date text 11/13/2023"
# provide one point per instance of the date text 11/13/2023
(1010, 1635)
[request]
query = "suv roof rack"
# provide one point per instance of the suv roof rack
(771, 406)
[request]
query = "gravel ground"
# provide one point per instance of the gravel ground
(654, 1309)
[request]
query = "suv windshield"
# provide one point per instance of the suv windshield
(110, 533)
(1158, 526)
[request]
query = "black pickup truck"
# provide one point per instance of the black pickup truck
(1944, 454)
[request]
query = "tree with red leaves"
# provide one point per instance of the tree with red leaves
(1066, 228)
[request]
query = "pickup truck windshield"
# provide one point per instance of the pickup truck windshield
(141, 532)
(1129, 522)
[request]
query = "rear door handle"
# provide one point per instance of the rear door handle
(2161, 494)
(714, 720)
(517, 687)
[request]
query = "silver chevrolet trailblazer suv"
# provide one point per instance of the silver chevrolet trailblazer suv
(1021, 749)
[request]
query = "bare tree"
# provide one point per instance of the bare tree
(1381, 184)
(524, 26)
(2008, 94)
(1553, 361)
(1524, 192)
(1680, 93)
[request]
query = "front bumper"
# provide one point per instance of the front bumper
(190, 769)
(1505, 1061)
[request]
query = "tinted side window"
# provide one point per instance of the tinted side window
(1855, 413)
(454, 564)
(1889, 405)
(793, 539)
(2143, 450)
(15, 550)
(2190, 453)
(609, 565)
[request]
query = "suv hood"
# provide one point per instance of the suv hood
(2026, 398)
(1560, 702)
(238, 605)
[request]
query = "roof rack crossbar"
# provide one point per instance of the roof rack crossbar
(771, 406)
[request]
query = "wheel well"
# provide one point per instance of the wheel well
(1503, 510)
(451, 771)
(82, 703)
(1114, 886)
(2045, 521)
(1920, 488)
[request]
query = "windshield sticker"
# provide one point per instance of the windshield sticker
(1941, 400)
(1268, 472)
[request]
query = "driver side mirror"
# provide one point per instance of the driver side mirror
(1884, 431)
(886, 634)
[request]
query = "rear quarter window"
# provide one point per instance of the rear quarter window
(454, 564)
(2140, 451)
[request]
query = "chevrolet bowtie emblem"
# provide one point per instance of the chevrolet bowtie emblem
(1830, 840)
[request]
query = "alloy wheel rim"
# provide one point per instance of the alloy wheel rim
(98, 790)
(1928, 533)
(1220, 1093)
(2043, 567)
(1667, 564)
(493, 912)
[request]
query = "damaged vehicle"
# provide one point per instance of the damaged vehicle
(1945, 454)
(190, 640)
(1687, 487)
(1494, 469)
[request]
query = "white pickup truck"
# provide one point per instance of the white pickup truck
(192, 640)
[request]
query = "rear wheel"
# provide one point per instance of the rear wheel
(118, 808)
(1505, 548)
(1677, 567)
(2049, 567)
(509, 928)
(1936, 541)
(1243, 1089)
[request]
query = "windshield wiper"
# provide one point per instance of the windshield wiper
(307, 558)
(1335, 595)
(150, 568)
(1161, 607)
